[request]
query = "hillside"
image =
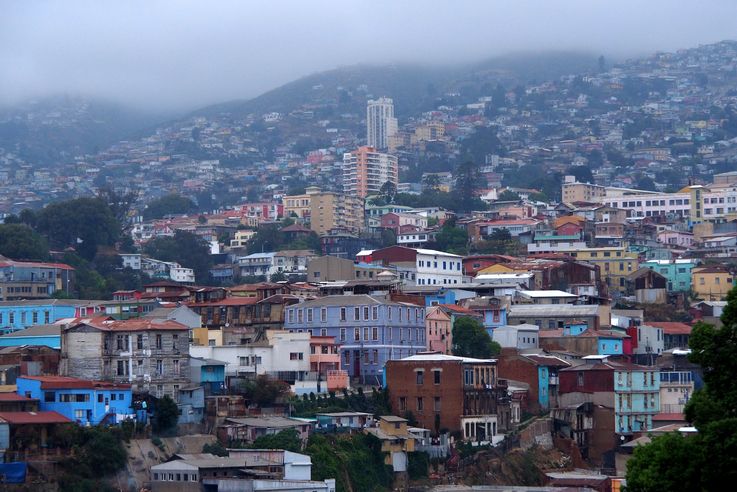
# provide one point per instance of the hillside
(415, 88)
(55, 129)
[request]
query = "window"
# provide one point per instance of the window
(79, 414)
(159, 343)
(122, 368)
(402, 403)
(420, 404)
(420, 377)
(356, 313)
(11, 317)
(436, 404)
(342, 334)
(139, 342)
(291, 315)
(375, 356)
(309, 315)
(365, 333)
(436, 377)
(388, 313)
(374, 333)
(375, 313)
(49, 396)
(120, 342)
(175, 366)
(296, 356)
(356, 334)
(34, 317)
(299, 316)
(342, 314)
(323, 315)
(366, 313)
(389, 333)
(159, 367)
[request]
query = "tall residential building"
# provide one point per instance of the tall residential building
(326, 210)
(365, 171)
(330, 211)
(380, 122)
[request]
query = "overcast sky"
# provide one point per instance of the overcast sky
(182, 54)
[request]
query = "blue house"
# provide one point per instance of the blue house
(18, 315)
(369, 330)
(493, 309)
(85, 402)
(574, 328)
(191, 404)
(48, 335)
(208, 373)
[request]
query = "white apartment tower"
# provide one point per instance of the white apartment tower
(380, 122)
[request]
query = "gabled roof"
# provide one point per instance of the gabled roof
(137, 324)
(36, 331)
(670, 327)
(33, 418)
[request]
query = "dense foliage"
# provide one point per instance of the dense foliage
(470, 339)
(166, 415)
(376, 403)
(707, 460)
(169, 205)
(185, 248)
(265, 391)
(20, 242)
(97, 453)
(354, 461)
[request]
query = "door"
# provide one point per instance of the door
(356, 363)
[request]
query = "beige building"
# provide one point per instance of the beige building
(573, 191)
(299, 205)
(330, 210)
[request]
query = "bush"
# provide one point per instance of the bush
(166, 415)
(417, 465)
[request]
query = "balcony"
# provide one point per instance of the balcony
(324, 358)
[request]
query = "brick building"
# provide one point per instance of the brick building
(445, 392)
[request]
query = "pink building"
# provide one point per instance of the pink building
(439, 330)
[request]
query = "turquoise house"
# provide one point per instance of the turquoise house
(574, 328)
(17, 315)
(636, 398)
(676, 272)
(49, 335)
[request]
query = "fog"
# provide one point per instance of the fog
(184, 54)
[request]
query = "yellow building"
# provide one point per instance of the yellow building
(206, 337)
(330, 210)
(299, 205)
(583, 192)
(614, 263)
(326, 210)
(711, 283)
(394, 436)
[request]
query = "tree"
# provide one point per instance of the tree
(468, 180)
(508, 196)
(431, 182)
(166, 416)
(185, 248)
(118, 203)
(451, 239)
(82, 223)
(20, 242)
(708, 459)
(172, 204)
(265, 391)
(287, 439)
(388, 191)
(470, 339)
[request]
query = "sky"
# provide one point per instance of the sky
(184, 54)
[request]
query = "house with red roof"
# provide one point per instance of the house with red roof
(82, 401)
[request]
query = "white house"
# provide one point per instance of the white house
(522, 336)
(438, 268)
(282, 352)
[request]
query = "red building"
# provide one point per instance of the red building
(449, 393)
